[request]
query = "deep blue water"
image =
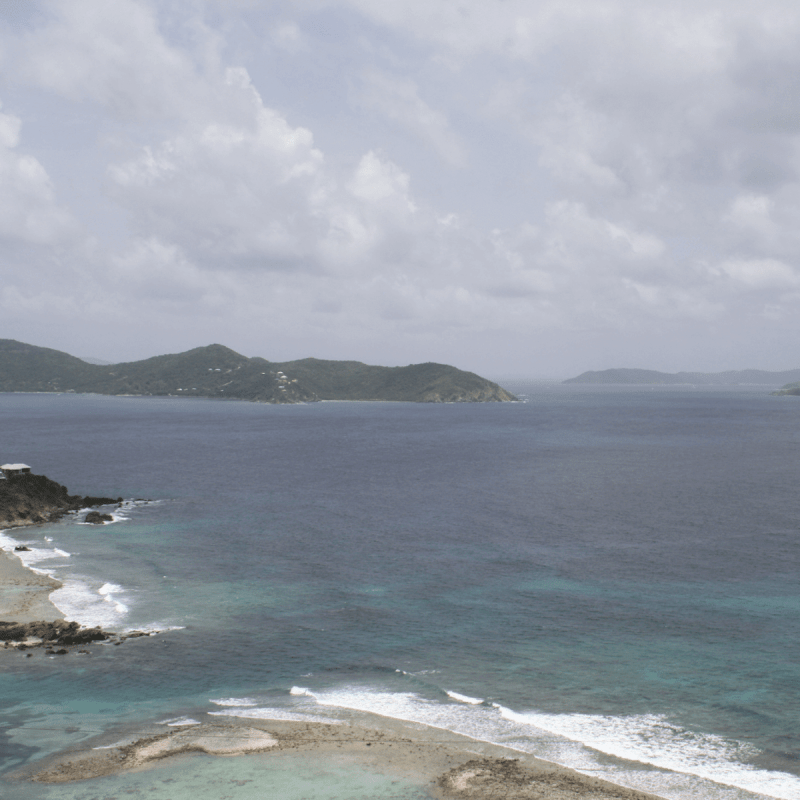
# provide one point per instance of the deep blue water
(613, 573)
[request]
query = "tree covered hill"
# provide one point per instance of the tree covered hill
(217, 371)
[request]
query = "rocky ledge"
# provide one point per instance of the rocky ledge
(34, 499)
(22, 636)
(59, 632)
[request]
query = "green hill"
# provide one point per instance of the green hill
(217, 371)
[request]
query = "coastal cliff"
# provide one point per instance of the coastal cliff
(218, 372)
(33, 499)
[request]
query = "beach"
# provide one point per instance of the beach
(25, 595)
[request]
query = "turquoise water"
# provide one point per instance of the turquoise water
(605, 578)
(254, 777)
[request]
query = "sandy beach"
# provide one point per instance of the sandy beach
(444, 764)
(25, 594)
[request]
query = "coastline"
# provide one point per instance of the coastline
(24, 593)
(30, 619)
(444, 764)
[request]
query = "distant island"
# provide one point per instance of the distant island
(219, 372)
(791, 389)
(651, 377)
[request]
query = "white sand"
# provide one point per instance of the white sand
(24, 594)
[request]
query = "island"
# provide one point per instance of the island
(790, 389)
(216, 371)
(650, 377)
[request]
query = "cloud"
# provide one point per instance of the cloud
(620, 166)
(765, 273)
(113, 54)
(246, 189)
(29, 212)
(289, 37)
(398, 100)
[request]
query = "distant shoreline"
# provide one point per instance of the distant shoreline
(650, 377)
(215, 371)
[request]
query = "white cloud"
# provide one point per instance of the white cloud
(765, 273)
(245, 190)
(29, 212)
(289, 37)
(376, 180)
(753, 212)
(113, 53)
(398, 99)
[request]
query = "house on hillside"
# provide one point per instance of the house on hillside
(9, 470)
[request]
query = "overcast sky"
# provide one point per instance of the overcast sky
(516, 187)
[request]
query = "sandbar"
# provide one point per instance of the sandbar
(446, 765)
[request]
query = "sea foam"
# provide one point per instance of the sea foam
(35, 555)
(653, 739)
(79, 602)
(274, 713)
(234, 702)
(662, 757)
(463, 698)
(75, 599)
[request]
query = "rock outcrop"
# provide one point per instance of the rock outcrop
(51, 633)
(33, 499)
(96, 518)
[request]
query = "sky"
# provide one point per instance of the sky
(521, 188)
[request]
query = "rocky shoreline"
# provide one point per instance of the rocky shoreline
(35, 499)
(28, 620)
(58, 633)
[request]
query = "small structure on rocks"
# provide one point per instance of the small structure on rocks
(9, 470)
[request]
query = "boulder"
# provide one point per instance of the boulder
(96, 518)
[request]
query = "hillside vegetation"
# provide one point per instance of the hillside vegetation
(219, 372)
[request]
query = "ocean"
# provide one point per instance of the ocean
(605, 577)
